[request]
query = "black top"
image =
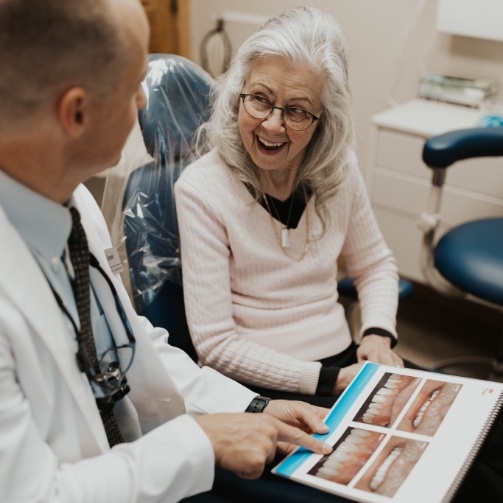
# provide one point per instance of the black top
(288, 212)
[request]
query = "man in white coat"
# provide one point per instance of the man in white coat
(70, 74)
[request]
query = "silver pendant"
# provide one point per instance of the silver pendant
(285, 238)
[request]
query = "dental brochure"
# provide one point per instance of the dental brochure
(400, 435)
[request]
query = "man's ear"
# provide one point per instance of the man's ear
(73, 110)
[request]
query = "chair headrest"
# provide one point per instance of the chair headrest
(177, 93)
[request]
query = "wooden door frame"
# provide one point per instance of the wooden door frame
(173, 14)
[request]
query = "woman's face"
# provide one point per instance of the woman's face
(271, 144)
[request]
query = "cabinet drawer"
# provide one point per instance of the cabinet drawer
(402, 152)
(409, 196)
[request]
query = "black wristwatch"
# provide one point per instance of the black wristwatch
(258, 404)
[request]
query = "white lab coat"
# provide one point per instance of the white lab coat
(53, 447)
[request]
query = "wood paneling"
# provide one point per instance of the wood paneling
(169, 25)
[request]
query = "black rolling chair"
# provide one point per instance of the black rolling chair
(467, 261)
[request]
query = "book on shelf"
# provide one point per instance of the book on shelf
(399, 435)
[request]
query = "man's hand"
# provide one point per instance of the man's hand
(377, 349)
(244, 443)
(299, 414)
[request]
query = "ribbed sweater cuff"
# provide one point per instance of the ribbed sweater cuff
(309, 378)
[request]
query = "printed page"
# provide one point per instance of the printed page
(399, 435)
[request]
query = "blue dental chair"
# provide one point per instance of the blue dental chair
(177, 93)
(467, 261)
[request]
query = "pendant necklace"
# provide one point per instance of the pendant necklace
(283, 237)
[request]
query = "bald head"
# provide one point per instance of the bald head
(47, 46)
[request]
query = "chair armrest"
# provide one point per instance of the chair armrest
(446, 149)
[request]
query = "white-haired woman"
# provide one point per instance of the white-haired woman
(267, 211)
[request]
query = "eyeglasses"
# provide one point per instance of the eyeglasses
(110, 376)
(295, 118)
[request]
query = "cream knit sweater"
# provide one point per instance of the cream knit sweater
(256, 315)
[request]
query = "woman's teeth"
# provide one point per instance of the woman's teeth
(270, 145)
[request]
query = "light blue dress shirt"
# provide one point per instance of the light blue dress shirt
(45, 226)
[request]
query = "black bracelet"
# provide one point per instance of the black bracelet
(258, 404)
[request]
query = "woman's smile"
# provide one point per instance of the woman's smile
(269, 147)
(269, 142)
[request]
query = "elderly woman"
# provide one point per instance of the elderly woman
(267, 211)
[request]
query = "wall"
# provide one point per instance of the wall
(392, 43)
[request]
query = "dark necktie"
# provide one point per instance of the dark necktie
(79, 256)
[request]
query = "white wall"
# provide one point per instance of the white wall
(392, 44)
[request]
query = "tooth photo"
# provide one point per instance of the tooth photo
(432, 403)
(392, 466)
(388, 400)
(349, 456)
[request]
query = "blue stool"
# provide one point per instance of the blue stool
(471, 258)
(467, 261)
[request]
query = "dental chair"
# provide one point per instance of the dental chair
(177, 93)
(467, 260)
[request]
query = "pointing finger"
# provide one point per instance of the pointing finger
(292, 435)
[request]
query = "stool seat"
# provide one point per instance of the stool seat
(346, 287)
(470, 257)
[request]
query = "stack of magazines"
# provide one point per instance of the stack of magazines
(456, 90)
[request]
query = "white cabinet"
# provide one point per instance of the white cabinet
(398, 181)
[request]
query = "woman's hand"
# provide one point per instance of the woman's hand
(373, 348)
(377, 349)
(346, 375)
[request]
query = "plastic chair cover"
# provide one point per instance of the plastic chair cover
(138, 202)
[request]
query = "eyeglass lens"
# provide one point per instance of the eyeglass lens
(294, 117)
(122, 356)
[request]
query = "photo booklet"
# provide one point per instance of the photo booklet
(399, 435)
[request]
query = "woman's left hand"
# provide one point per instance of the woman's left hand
(304, 416)
(377, 349)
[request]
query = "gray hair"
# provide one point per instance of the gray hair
(303, 34)
(46, 46)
